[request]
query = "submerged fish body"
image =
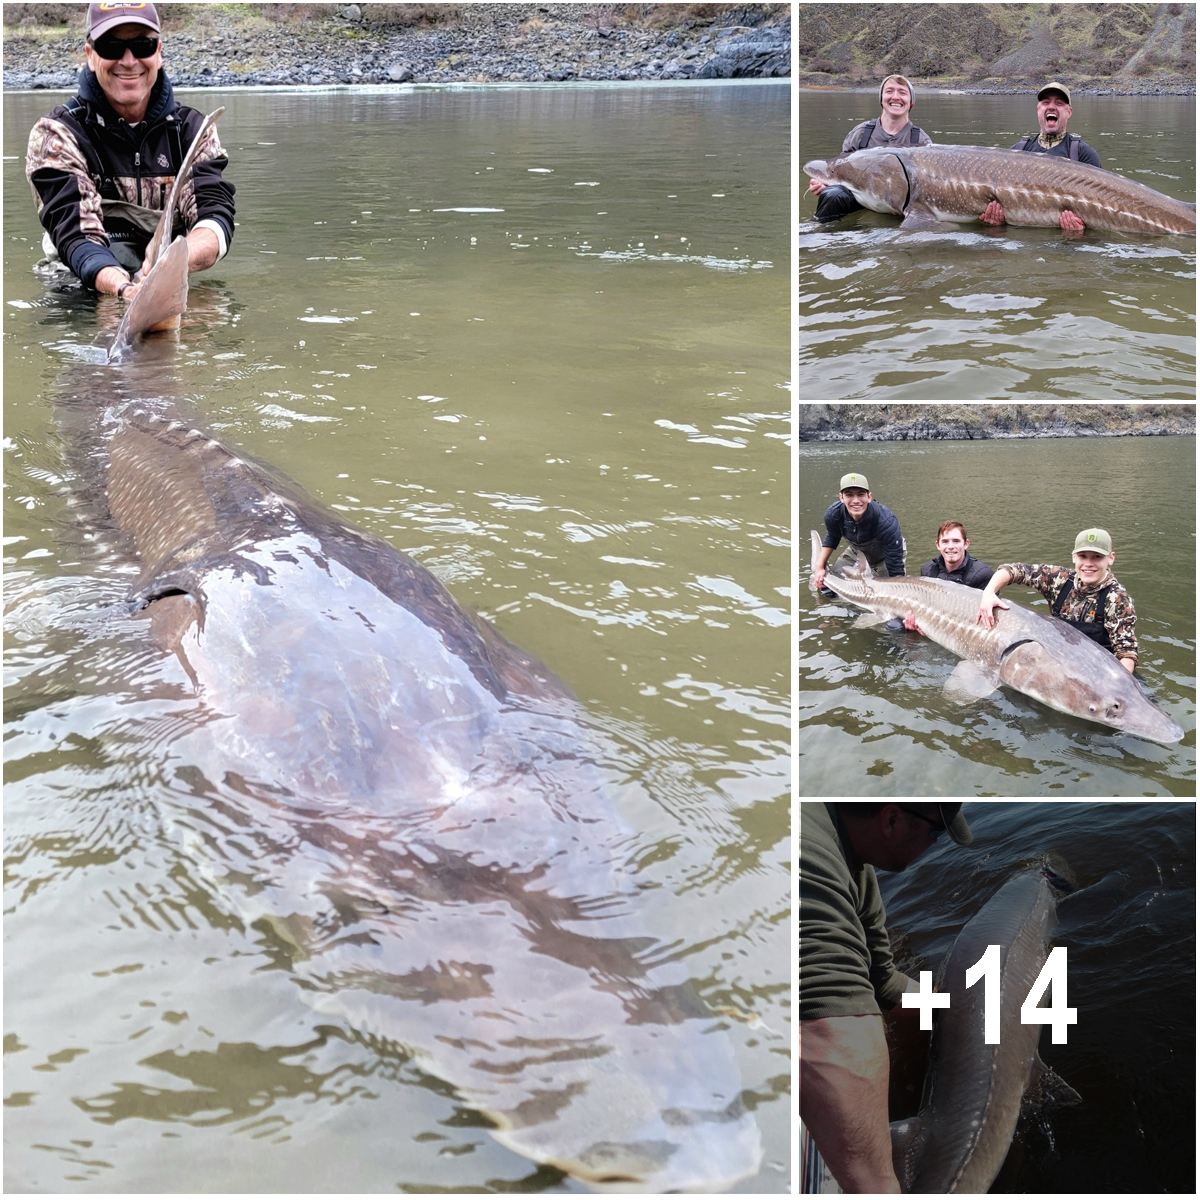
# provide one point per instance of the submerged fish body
(973, 1091)
(931, 184)
(1041, 657)
(406, 807)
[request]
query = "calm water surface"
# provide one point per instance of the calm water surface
(1014, 314)
(873, 718)
(538, 339)
(1130, 933)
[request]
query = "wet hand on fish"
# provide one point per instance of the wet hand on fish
(1068, 221)
(987, 602)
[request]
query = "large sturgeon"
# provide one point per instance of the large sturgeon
(931, 184)
(1038, 656)
(403, 802)
(973, 1092)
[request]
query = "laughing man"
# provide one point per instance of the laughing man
(1053, 113)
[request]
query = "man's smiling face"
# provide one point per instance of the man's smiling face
(896, 98)
(127, 81)
(856, 501)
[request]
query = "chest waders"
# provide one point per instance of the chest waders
(1094, 628)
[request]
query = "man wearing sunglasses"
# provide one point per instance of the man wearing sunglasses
(848, 976)
(101, 165)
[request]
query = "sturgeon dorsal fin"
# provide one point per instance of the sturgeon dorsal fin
(1047, 1090)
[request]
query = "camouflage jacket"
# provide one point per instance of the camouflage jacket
(82, 153)
(1119, 617)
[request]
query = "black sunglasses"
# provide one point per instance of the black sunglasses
(935, 831)
(113, 48)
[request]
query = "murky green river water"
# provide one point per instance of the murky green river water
(1014, 314)
(538, 339)
(873, 718)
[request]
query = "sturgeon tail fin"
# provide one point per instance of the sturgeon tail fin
(163, 234)
(161, 296)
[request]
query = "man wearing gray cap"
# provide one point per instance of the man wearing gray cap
(891, 128)
(102, 164)
(1089, 597)
(866, 524)
(848, 976)
(1053, 113)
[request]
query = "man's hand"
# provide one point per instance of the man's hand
(1070, 222)
(816, 186)
(1130, 664)
(987, 602)
(109, 280)
(910, 622)
(818, 579)
(993, 214)
(843, 1100)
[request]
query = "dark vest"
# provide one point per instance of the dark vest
(914, 135)
(1093, 629)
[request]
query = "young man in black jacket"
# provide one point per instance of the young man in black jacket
(953, 562)
(101, 165)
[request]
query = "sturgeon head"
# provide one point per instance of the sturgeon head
(1066, 670)
(876, 178)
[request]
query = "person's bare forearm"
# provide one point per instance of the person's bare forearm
(843, 1100)
(203, 249)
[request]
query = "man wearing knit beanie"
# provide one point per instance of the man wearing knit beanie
(891, 128)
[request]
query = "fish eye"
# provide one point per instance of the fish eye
(1091, 708)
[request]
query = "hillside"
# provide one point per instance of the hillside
(1128, 48)
(971, 422)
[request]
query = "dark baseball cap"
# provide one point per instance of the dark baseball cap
(103, 17)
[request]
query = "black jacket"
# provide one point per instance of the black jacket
(972, 572)
(878, 523)
(83, 152)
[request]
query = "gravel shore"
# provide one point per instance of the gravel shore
(484, 44)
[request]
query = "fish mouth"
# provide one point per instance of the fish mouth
(817, 169)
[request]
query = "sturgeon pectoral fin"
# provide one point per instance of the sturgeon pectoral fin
(968, 682)
(870, 619)
(923, 219)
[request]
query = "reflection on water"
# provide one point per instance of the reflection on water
(874, 720)
(564, 393)
(992, 314)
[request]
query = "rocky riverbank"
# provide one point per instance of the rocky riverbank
(974, 422)
(259, 45)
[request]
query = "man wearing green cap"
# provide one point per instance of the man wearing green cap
(1053, 113)
(891, 128)
(848, 976)
(1090, 598)
(866, 524)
